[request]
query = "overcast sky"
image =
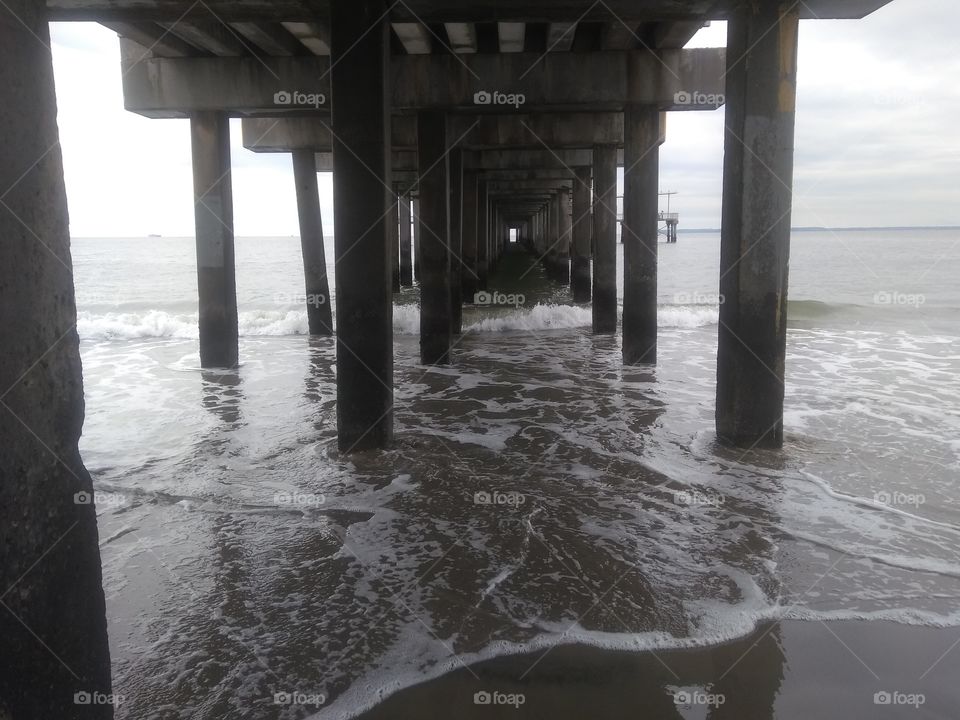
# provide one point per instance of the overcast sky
(878, 136)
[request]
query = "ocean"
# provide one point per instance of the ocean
(539, 494)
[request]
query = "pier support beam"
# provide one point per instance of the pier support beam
(213, 215)
(406, 259)
(605, 239)
(566, 233)
(361, 170)
(435, 296)
(483, 244)
(393, 238)
(641, 129)
(415, 215)
(755, 231)
(469, 222)
(582, 236)
(319, 317)
(456, 240)
(52, 618)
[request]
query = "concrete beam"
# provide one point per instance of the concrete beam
(669, 79)
(313, 36)
(414, 37)
(429, 11)
(560, 36)
(462, 36)
(272, 39)
(511, 36)
(211, 36)
(154, 39)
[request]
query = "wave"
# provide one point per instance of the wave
(406, 321)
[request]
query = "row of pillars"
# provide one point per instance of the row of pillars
(461, 231)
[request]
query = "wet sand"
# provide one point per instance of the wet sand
(793, 669)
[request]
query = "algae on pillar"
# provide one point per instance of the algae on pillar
(319, 316)
(360, 50)
(213, 215)
(755, 230)
(52, 619)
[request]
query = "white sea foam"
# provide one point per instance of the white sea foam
(406, 321)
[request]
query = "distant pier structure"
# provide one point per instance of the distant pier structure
(669, 219)
(475, 118)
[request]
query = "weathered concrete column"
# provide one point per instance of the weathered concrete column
(415, 229)
(213, 216)
(434, 233)
(393, 238)
(755, 231)
(319, 317)
(582, 237)
(483, 239)
(52, 619)
(361, 170)
(406, 259)
(605, 239)
(469, 223)
(641, 160)
(566, 234)
(456, 239)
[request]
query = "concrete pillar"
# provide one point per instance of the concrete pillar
(319, 317)
(435, 305)
(469, 223)
(213, 215)
(393, 238)
(406, 260)
(605, 239)
(755, 230)
(456, 239)
(641, 159)
(483, 221)
(361, 170)
(415, 214)
(566, 232)
(582, 236)
(52, 618)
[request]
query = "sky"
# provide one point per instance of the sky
(877, 137)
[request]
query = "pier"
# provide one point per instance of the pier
(448, 127)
